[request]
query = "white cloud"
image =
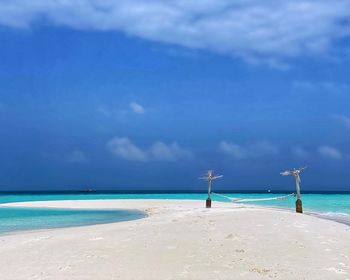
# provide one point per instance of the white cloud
(300, 152)
(233, 149)
(137, 108)
(343, 120)
(77, 156)
(124, 148)
(250, 29)
(172, 152)
(121, 112)
(159, 151)
(330, 152)
(255, 150)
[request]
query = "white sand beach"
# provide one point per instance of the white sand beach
(180, 239)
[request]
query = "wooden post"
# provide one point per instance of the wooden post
(208, 201)
(298, 202)
(299, 206)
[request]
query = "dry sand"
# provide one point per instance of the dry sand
(181, 240)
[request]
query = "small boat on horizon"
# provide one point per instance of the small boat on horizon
(89, 190)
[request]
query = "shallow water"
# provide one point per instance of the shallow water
(18, 219)
(330, 206)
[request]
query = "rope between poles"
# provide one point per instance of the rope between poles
(232, 199)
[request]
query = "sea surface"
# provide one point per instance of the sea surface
(13, 219)
(330, 206)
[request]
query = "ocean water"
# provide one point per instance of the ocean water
(19, 219)
(331, 206)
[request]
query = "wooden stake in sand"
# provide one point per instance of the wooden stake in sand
(209, 177)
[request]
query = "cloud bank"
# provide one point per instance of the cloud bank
(158, 151)
(251, 29)
(330, 152)
(251, 151)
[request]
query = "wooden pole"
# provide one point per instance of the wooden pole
(208, 201)
(299, 206)
(298, 203)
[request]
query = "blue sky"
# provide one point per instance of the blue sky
(139, 95)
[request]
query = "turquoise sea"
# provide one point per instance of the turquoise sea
(18, 219)
(331, 206)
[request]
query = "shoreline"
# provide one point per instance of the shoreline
(319, 215)
(181, 239)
